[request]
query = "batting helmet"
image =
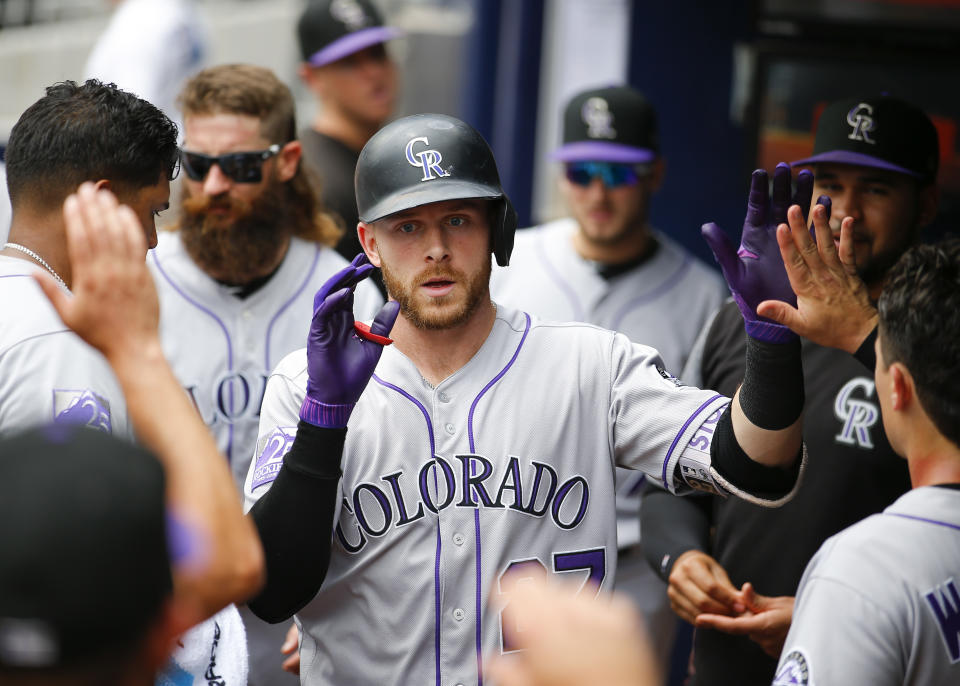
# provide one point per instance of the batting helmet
(428, 158)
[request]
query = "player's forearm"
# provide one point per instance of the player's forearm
(767, 408)
(228, 564)
(295, 521)
(672, 525)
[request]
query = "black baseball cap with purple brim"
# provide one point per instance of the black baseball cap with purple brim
(879, 132)
(613, 124)
(330, 30)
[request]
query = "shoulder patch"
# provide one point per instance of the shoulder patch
(794, 670)
(668, 376)
(270, 452)
(83, 407)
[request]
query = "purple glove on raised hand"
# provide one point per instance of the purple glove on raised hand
(755, 272)
(339, 363)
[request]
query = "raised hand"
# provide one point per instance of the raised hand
(832, 305)
(755, 271)
(339, 361)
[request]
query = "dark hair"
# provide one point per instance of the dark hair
(87, 132)
(920, 325)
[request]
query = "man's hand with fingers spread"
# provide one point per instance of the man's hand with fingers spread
(698, 584)
(833, 304)
(113, 305)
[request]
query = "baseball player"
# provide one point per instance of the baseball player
(236, 279)
(119, 141)
(707, 553)
(607, 266)
(483, 441)
(886, 586)
(92, 625)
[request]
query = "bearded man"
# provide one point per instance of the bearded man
(237, 275)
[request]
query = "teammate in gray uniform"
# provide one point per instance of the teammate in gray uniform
(879, 603)
(75, 133)
(607, 266)
(236, 279)
(484, 441)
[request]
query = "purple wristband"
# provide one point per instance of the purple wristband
(324, 415)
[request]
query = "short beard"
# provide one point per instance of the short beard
(875, 269)
(429, 318)
(241, 248)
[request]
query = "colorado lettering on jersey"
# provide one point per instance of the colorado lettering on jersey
(234, 397)
(944, 603)
(467, 481)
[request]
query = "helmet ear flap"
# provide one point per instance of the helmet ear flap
(504, 227)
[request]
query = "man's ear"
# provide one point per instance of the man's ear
(288, 160)
(174, 618)
(657, 172)
(901, 387)
(368, 241)
(312, 78)
(103, 185)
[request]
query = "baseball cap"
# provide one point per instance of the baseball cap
(614, 124)
(330, 30)
(882, 132)
(84, 567)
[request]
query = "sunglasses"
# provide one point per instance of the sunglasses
(241, 167)
(612, 174)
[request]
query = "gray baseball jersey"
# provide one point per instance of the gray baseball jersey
(507, 464)
(879, 604)
(222, 347)
(47, 373)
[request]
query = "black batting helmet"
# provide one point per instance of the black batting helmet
(428, 158)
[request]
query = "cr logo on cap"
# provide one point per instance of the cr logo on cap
(861, 121)
(428, 160)
(598, 118)
(350, 13)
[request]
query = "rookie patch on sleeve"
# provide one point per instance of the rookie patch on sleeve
(794, 670)
(270, 452)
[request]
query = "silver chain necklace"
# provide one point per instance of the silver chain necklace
(40, 260)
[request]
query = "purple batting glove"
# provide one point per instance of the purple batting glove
(339, 364)
(755, 272)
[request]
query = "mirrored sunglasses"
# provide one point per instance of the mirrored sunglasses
(241, 167)
(613, 174)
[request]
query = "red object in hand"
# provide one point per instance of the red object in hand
(363, 330)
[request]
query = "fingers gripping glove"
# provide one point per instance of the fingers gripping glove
(340, 362)
(755, 272)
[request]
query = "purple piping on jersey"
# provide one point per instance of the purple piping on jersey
(676, 440)
(156, 261)
(436, 566)
(669, 283)
(476, 514)
(266, 358)
(564, 287)
(924, 519)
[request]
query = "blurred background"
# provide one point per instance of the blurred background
(738, 84)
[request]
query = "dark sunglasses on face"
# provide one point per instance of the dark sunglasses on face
(241, 167)
(613, 174)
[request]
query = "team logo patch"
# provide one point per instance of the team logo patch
(668, 376)
(857, 415)
(427, 160)
(794, 670)
(350, 13)
(861, 119)
(597, 116)
(270, 452)
(82, 407)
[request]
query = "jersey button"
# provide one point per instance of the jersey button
(458, 539)
(459, 614)
(444, 398)
(450, 428)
